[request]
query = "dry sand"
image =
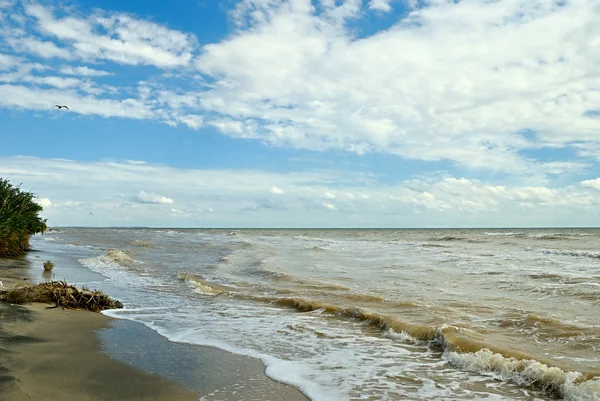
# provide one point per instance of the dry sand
(55, 354)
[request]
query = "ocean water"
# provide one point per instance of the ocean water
(366, 314)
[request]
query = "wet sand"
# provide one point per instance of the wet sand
(53, 354)
(61, 354)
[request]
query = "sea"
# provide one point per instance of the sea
(364, 314)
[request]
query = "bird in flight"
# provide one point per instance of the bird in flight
(60, 107)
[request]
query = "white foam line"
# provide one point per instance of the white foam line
(286, 372)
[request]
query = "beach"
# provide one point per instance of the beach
(53, 354)
(350, 314)
(325, 314)
(57, 354)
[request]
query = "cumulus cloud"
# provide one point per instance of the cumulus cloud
(380, 5)
(592, 183)
(84, 71)
(449, 81)
(145, 197)
(41, 48)
(36, 30)
(463, 87)
(44, 202)
(123, 39)
(276, 191)
(7, 62)
(237, 198)
(329, 206)
(29, 98)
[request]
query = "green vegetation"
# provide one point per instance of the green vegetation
(48, 266)
(19, 219)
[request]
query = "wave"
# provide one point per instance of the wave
(549, 237)
(546, 328)
(504, 234)
(201, 286)
(317, 248)
(463, 348)
(306, 237)
(528, 373)
(318, 285)
(120, 257)
(457, 238)
(304, 283)
(557, 236)
(547, 276)
(114, 258)
(141, 243)
(428, 245)
(448, 238)
(568, 252)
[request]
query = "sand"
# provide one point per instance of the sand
(57, 354)
(53, 354)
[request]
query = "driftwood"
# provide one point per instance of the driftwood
(61, 294)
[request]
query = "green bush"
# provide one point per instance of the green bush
(48, 266)
(19, 219)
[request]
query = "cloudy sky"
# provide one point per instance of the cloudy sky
(299, 113)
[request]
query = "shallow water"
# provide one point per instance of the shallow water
(368, 314)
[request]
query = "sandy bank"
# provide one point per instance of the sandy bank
(53, 354)
(57, 354)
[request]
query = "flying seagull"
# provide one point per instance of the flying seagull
(60, 107)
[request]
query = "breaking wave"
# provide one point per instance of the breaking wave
(464, 348)
(504, 234)
(142, 243)
(114, 258)
(568, 252)
(201, 286)
(528, 373)
(457, 238)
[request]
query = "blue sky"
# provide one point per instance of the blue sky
(264, 113)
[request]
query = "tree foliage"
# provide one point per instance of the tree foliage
(19, 219)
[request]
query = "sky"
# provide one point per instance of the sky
(299, 113)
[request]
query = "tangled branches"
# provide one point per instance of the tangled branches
(61, 294)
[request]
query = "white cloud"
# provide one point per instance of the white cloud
(57, 82)
(276, 191)
(237, 198)
(450, 81)
(192, 121)
(44, 202)
(84, 71)
(126, 40)
(44, 99)
(454, 81)
(145, 197)
(329, 206)
(8, 62)
(329, 195)
(40, 48)
(592, 183)
(380, 5)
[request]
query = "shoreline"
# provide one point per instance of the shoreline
(54, 354)
(50, 354)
